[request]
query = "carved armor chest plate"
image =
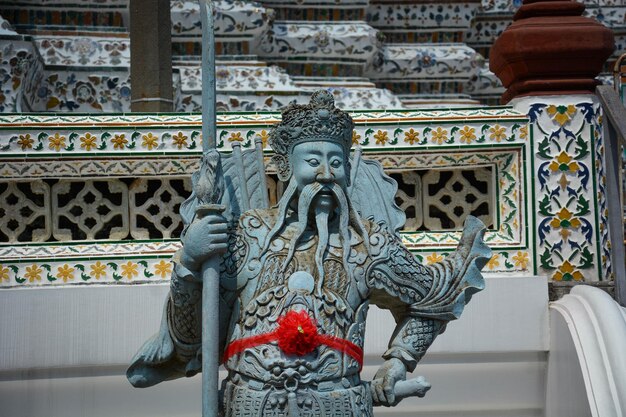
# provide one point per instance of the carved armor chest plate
(268, 289)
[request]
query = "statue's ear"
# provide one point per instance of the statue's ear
(348, 172)
(283, 167)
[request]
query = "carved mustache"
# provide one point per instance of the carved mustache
(347, 216)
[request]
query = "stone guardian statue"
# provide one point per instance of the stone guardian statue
(297, 279)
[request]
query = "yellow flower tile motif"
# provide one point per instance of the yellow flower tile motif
(521, 259)
(567, 272)
(33, 273)
(149, 141)
(563, 163)
(65, 272)
(523, 132)
(440, 135)
(561, 114)
(98, 270)
(4, 273)
(265, 136)
(119, 141)
(497, 133)
(163, 269)
(235, 137)
(88, 141)
(25, 141)
(467, 134)
(411, 136)
(381, 137)
(129, 270)
(180, 140)
(355, 138)
(434, 258)
(57, 142)
(565, 219)
(493, 262)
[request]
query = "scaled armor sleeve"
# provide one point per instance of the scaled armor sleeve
(424, 298)
(175, 351)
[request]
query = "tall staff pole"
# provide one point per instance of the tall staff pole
(209, 129)
(210, 269)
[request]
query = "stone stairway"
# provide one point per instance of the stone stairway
(243, 81)
(424, 58)
(74, 55)
(327, 44)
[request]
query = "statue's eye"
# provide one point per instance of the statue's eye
(313, 162)
(336, 163)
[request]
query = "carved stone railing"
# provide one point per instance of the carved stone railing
(92, 199)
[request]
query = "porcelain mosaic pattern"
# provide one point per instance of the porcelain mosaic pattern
(234, 20)
(84, 51)
(292, 40)
(423, 62)
(421, 17)
(572, 241)
(19, 71)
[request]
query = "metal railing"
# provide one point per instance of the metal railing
(615, 134)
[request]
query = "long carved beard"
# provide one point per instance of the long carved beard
(347, 217)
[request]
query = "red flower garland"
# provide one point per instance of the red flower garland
(297, 335)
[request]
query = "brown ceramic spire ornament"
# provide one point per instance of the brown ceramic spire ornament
(550, 49)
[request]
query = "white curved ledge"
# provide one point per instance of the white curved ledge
(597, 327)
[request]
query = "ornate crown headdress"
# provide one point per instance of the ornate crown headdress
(318, 120)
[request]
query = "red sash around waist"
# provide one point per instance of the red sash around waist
(296, 334)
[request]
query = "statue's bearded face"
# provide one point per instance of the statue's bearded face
(317, 193)
(322, 162)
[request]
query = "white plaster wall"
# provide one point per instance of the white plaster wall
(63, 352)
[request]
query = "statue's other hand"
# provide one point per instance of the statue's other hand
(392, 371)
(205, 237)
(158, 349)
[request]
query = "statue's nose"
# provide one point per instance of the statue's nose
(324, 174)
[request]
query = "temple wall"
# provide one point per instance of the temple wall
(92, 200)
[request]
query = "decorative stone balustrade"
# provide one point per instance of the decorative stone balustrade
(20, 70)
(239, 88)
(80, 74)
(424, 58)
(85, 51)
(234, 20)
(484, 86)
(236, 24)
(421, 62)
(425, 68)
(331, 49)
(94, 198)
(351, 92)
(422, 22)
